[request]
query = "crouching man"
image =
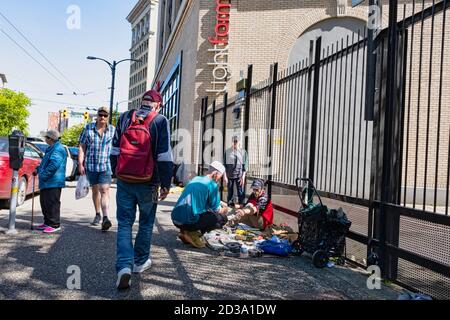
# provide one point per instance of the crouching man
(258, 212)
(198, 209)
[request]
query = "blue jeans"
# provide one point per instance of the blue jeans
(128, 197)
(240, 190)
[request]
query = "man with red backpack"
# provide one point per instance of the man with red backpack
(142, 143)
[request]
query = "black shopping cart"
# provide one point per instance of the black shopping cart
(322, 232)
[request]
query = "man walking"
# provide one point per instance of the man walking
(94, 161)
(142, 142)
(236, 164)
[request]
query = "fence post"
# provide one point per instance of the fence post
(305, 150)
(371, 66)
(224, 136)
(315, 105)
(213, 124)
(390, 223)
(203, 112)
(248, 89)
(274, 71)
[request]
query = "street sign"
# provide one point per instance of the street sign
(357, 2)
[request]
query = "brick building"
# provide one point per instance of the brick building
(260, 33)
(194, 59)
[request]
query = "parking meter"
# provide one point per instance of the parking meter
(16, 153)
(16, 150)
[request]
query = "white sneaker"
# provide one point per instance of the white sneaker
(124, 279)
(142, 268)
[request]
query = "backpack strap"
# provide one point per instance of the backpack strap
(133, 117)
(150, 117)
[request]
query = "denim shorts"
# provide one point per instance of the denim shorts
(96, 178)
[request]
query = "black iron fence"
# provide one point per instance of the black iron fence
(390, 173)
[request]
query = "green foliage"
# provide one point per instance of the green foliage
(71, 135)
(13, 112)
(115, 118)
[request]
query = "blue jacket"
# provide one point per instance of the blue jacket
(162, 152)
(52, 171)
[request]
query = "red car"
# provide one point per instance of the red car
(32, 159)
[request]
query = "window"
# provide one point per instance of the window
(30, 153)
(171, 96)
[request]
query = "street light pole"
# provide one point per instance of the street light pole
(111, 102)
(113, 82)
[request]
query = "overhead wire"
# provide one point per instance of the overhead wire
(33, 58)
(39, 51)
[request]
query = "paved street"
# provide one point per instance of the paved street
(34, 266)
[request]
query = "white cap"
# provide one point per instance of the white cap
(216, 165)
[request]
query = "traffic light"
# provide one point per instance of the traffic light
(86, 115)
(65, 114)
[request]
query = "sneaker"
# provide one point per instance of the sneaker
(51, 230)
(106, 224)
(42, 227)
(143, 267)
(97, 219)
(123, 279)
(193, 237)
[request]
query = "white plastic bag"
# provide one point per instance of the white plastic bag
(82, 188)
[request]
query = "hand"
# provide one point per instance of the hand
(242, 181)
(81, 170)
(163, 193)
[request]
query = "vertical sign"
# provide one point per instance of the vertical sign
(219, 41)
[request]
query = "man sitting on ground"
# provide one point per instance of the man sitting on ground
(258, 212)
(198, 209)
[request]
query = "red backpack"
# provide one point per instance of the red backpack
(136, 163)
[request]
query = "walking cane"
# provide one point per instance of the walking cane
(32, 203)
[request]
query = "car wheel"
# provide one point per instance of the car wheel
(22, 193)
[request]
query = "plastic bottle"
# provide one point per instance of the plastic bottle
(244, 251)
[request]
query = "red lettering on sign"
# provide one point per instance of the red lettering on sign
(222, 28)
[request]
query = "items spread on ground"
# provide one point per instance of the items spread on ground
(240, 240)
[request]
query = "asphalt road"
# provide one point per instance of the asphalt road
(35, 266)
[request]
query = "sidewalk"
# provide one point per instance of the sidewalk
(34, 265)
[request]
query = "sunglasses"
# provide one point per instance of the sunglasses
(103, 115)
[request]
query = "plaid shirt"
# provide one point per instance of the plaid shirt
(98, 149)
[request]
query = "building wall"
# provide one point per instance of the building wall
(186, 44)
(264, 32)
(142, 48)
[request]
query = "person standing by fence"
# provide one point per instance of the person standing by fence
(236, 164)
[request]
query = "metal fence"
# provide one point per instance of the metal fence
(377, 146)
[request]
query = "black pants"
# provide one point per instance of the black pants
(51, 206)
(207, 221)
(240, 190)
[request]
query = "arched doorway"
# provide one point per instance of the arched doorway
(331, 30)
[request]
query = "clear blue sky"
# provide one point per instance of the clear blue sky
(104, 32)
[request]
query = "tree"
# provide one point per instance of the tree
(71, 135)
(13, 112)
(115, 118)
